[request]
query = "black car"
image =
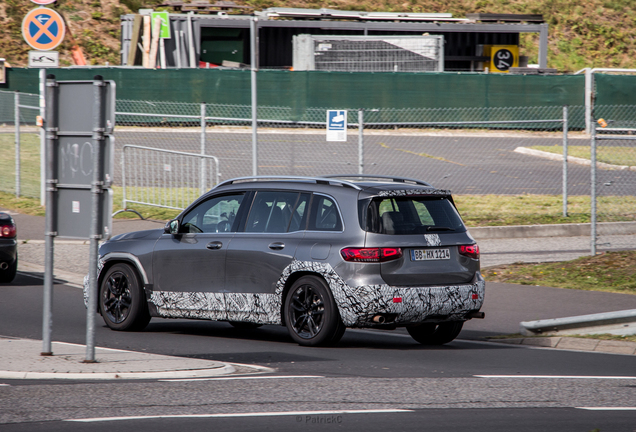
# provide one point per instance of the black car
(317, 255)
(8, 248)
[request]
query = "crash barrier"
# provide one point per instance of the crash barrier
(165, 178)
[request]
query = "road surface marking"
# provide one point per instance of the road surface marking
(230, 415)
(608, 408)
(559, 376)
(242, 378)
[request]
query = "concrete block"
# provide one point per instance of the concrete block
(617, 347)
(549, 342)
(577, 344)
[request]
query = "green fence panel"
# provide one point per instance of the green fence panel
(300, 90)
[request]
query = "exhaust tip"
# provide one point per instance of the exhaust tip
(379, 319)
(476, 314)
(4, 266)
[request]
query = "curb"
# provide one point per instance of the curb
(574, 344)
(572, 159)
(552, 230)
(226, 369)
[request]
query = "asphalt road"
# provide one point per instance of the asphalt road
(477, 164)
(467, 384)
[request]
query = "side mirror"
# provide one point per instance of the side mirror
(172, 227)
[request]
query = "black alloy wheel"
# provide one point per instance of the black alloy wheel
(122, 301)
(435, 334)
(312, 317)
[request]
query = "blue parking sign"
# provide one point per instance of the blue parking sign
(336, 125)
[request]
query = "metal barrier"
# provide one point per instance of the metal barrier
(612, 182)
(165, 178)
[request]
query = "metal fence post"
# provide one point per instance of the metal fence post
(96, 191)
(202, 182)
(593, 185)
(17, 143)
(360, 141)
(254, 64)
(565, 161)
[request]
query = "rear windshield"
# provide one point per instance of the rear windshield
(410, 215)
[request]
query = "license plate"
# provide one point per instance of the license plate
(429, 254)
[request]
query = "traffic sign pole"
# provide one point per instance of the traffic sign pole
(96, 189)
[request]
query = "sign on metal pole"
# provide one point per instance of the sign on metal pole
(43, 29)
(164, 30)
(44, 59)
(80, 115)
(337, 125)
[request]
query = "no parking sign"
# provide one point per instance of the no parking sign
(43, 29)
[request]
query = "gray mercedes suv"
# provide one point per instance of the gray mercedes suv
(315, 254)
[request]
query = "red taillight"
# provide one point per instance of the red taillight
(371, 254)
(7, 231)
(471, 251)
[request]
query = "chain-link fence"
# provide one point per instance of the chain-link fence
(614, 148)
(19, 136)
(514, 151)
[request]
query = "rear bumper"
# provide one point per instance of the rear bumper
(8, 251)
(410, 305)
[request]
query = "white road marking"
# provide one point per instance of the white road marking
(242, 378)
(559, 377)
(607, 408)
(231, 415)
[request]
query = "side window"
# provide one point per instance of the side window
(324, 215)
(214, 215)
(276, 211)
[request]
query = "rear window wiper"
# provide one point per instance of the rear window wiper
(439, 228)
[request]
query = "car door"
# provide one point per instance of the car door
(193, 261)
(257, 256)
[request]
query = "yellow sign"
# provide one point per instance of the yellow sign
(503, 57)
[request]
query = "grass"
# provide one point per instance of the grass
(608, 271)
(504, 210)
(608, 154)
(29, 160)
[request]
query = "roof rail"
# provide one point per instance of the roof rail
(318, 180)
(383, 177)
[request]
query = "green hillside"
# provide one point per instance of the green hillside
(583, 33)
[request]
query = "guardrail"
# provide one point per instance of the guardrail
(619, 322)
(165, 178)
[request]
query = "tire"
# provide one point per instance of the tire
(122, 301)
(241, 325)
(435, 334)
(7, 276)
(311, 314)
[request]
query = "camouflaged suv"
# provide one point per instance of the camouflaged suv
(314, 254)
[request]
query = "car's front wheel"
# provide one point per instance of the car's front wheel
(311, 314)
(435, 334)
(122, 301)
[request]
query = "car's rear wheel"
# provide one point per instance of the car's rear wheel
(122, 301)
(311, 314)
(8, 274)
(435, 334)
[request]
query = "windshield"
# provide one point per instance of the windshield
(411, 215)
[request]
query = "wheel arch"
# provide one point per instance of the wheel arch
(292, 279)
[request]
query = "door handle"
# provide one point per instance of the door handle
(277, 246)
(214, 245)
